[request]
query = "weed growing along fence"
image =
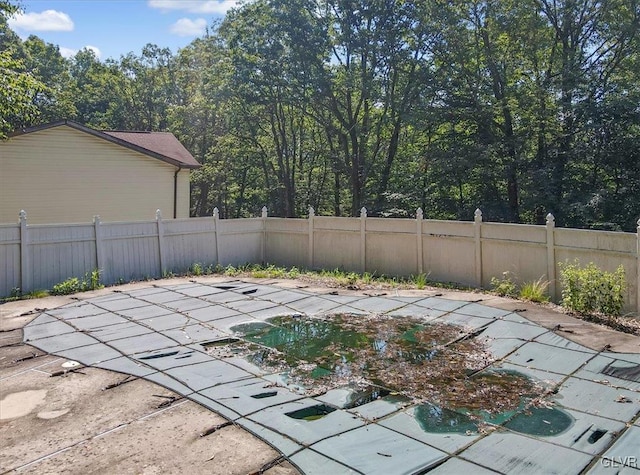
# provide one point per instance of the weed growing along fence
(465, 252)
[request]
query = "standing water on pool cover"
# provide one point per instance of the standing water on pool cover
(440, 364)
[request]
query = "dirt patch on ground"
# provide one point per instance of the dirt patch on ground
(71, 423)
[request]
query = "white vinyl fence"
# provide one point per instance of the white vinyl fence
(464, 252)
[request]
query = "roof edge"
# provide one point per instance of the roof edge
(104, 136)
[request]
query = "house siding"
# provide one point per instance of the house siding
(63, 175)
(184, 196)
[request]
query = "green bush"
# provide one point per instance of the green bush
(589, 289)
(72, 285)
(197, 269)
(94, 280)
(505, 286)
(66, 287)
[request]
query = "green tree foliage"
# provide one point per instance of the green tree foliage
(19, 88)
(17, 94)
(44, 61)
(517, 107)
(100, 96)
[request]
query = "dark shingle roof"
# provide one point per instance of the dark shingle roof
(161, 145)
(164, 143)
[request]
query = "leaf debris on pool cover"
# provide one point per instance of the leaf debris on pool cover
(439, 363)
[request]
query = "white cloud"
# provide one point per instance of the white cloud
(67, 52)
(48, 20)
(187, 27)
(95, 50)
(194, 6)
(70, 52)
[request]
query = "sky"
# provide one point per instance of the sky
(113, 28)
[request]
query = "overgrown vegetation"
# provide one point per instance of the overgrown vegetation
(420, 281)
(595, 295)
(91, 281)
(504, 286)
(332, 277)
(588, 289)
(197, 269)
(16, 294)
(534, 291)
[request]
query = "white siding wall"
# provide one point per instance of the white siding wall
(62, 175)
(184, 196)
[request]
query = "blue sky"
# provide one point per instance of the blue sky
(116, 27)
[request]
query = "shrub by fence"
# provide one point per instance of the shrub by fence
(465, 252)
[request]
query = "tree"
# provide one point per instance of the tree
(18, 87)
(44, 61)
(273, 84)
(592, 38)
(149, 88)
(98, 91)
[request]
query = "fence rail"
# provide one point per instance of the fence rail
(466, 252)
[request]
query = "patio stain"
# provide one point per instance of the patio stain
(441, 365)
(20, 404)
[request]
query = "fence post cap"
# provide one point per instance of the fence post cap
(477, 216)
(158, 214)
(312, 212)
(96, 219)
(638, 223)
(23, 215)
(363, 212)
(264, 211)
(216, 212)
(550, 219)
(419, 213)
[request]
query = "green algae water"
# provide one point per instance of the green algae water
(541, 421)
(399, 360)
(440, 420)
(304, 339)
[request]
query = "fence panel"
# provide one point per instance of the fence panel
(59, 252)
(605, 249)
(189, 241)
(520, 250)
(287, 242)
(336, 243)
(240, 241)
(131, 251)
(448, 251)
(9, 258)
(391, 247)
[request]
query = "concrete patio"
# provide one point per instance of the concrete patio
(156, 333)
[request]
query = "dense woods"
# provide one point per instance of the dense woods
(517, 107)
